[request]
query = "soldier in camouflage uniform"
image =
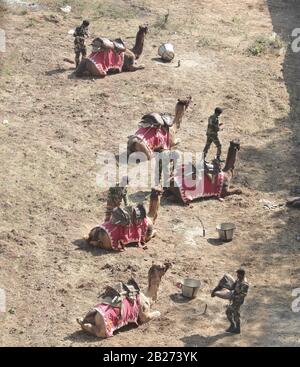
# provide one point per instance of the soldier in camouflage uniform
(240, 291)
(212, 133)
(115, 196)
(79, 42)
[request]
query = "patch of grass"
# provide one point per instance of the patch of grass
(5, 71)
(31, 22)
(265, 44)
(161, 21)
(206, 42)
(116, 11)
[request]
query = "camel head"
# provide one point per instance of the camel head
(181, 107)
(143, 29)
(234, 147)
(235, 144)
(155, 273)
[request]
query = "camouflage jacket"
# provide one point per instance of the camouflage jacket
(240, 291)
(213, 125)
(81, 31)
(117, 194)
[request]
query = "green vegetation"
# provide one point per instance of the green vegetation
(263, 45)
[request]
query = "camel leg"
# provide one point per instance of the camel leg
(96, 325)
(99, 238)
(130, 63)
(135, 67)
(145, 317)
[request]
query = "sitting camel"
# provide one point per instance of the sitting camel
(216, 183)
(113, 56)
(114, 236)
(124, 306)
(158, 131)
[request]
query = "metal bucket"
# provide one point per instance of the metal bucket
(225, 231)
(189, 287)
(166, 52)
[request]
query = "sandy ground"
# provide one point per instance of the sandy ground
(55, 125)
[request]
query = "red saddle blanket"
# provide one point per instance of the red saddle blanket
(123, 235)
(107, 59)
(202, 186)
(115, 317)
(155, 137)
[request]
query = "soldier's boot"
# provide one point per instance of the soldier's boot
(231, 328)
(237, 329)
(219, 159)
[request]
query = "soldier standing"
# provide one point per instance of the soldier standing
(212, 133)
(79, 42)
(115, 196)
(240, 290)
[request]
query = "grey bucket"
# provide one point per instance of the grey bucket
(226, 231)
(166, 52)
(189, 287)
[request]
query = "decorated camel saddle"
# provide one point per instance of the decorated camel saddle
(119, 305)
(127, 225)
(189, 184)
(108, 55)
(155, 119)
(128, 215)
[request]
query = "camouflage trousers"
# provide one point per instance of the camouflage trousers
(79, 49)
(233, 313)
(213, 139)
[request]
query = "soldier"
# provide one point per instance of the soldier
(240, 290)
(79, 42)
(212, 133)
(115, 196)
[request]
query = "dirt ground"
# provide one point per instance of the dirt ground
(52, 125)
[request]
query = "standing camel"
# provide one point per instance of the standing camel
(212, 184)
(158, 131)
(110, 236)
(103, 319)
(114, 56)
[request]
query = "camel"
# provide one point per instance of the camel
(102, 320)
(110, 236)
(116, 53)
(216, 182)
(158, 131)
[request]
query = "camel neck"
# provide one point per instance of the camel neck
(139, 44)
(154, 205)
(152, 291)
(230, 160)
(179, 111)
